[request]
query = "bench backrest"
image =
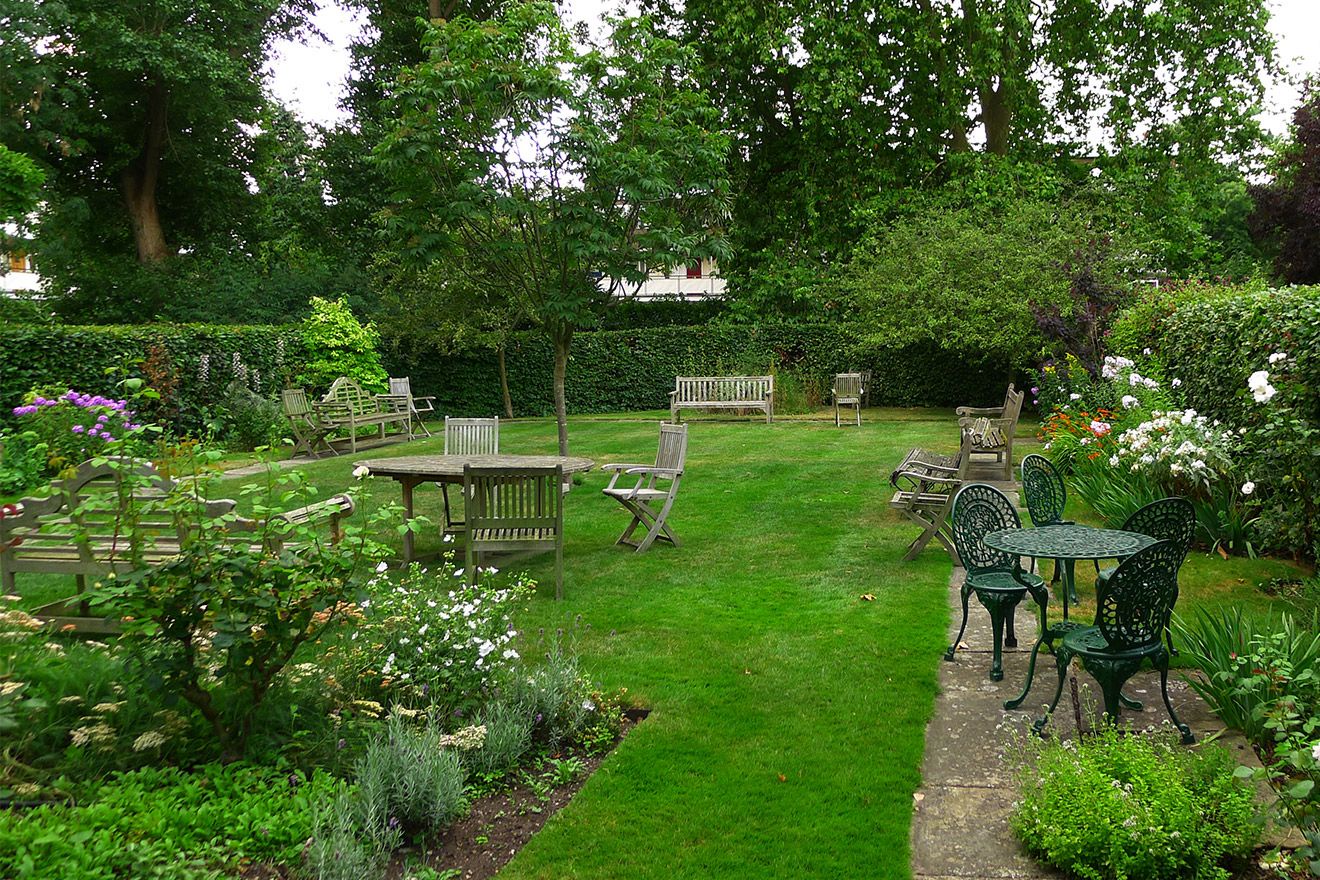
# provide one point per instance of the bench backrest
(1012, 408)
(723, 389)
(472, 436)
(848, 385)
(401, 387)
(672, 451)
(514, 498)
(347, 396)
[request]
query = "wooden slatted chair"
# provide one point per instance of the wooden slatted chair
(847, 391)
(468, 437)
(925, 483)
(641, 499)
(993, 428)
(309, 430)
(514, 510)
(418, 407)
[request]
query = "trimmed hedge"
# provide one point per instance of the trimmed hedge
(64, 356)
(1214, 344)
(623, 370)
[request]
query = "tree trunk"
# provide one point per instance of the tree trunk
(140, 179)
(998, 118)
(504, 382)
(563, 339)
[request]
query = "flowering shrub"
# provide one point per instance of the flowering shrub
(430, 638)
(74, 426)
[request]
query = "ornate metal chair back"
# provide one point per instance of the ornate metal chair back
(1133, 604)
(978, 510)
(472, 436)
(1043, 489)
(672, 451)
(1169, 519)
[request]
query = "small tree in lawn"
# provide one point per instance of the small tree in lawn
(548, 167)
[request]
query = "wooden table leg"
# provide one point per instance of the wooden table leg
(408, 550)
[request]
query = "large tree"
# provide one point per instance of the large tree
(557, 172)
(144, 112)
(831, 102)
(1287, 213)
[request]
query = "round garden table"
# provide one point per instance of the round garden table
(1065, 542)
(411, 471)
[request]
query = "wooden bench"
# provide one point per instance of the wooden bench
(926, 483)
(723, 392)
(62, 534)
(347, 407)
(993, 428)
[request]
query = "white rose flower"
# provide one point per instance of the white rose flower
(1278, 356)
(1176, 382)
(361, 471)
(1247, 488)
(1074, 396)
(1129, 401)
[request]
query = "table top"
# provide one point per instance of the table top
(435, 466)
(1068, 542)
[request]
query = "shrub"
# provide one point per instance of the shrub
(73, 427)
(337, 344)
(22, 463)
(429, 638)
(250, 420)
(337, 849)
(163, 822)
(1118, 805)
(418, 781)
(508, 737)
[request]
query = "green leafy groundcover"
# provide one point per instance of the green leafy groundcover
(165, 823)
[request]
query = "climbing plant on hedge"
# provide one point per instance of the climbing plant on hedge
(338, 344)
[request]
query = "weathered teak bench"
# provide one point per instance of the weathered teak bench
(993, 428)
(723, 392)
(926, 483)
(347, 407)
(59, 534)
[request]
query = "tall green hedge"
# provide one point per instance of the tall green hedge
(203, 359)
(1213, 344)
(613, 370)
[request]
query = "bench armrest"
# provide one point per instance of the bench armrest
(620, 467)
(642, 470)
(982, 411)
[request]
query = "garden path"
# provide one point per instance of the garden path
(960, 828)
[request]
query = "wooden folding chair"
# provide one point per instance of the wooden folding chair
(401, 389)
(309, 430)
(847, 391)
(513, 510)
(468, 437)
(648, 503)
(926, 483)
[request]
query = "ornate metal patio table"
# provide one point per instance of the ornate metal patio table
(1069, 543)
(412, 470)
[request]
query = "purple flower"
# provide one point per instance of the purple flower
(394, 822)
(107, 438)
(40, 401)
(103, 418)
(341, 744)
(77, 429)
(1035, 390)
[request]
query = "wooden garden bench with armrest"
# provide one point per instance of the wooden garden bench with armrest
(723, 392)
(993, 428)
(347, 407)
(58, 534)
(926, 483)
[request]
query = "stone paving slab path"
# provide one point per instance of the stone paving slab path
(960, 825)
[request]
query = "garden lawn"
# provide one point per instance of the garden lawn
(789, 714)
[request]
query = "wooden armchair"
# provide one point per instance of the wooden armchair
(514, 510)
(309, 429)
(926, 483)
(641, 499)
(848, 390)
(993, 428)
(418, 407)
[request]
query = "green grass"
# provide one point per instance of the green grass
(788, 714)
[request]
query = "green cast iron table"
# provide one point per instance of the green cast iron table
(1067, 543)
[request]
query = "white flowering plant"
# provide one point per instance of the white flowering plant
(429, 638)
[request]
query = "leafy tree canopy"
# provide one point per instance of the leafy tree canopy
(549, 167)
(1287, 210)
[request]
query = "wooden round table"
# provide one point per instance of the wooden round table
(411, 471)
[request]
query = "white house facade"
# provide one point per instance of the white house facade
(698, 280)
(21, 275)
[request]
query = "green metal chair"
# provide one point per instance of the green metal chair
(1046, 497)
(1169, 519)
(1133, 606)
(995, 577)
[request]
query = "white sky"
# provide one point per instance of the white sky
(309, 77)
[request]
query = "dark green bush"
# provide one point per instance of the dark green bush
(251, 420)
(620, 370)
